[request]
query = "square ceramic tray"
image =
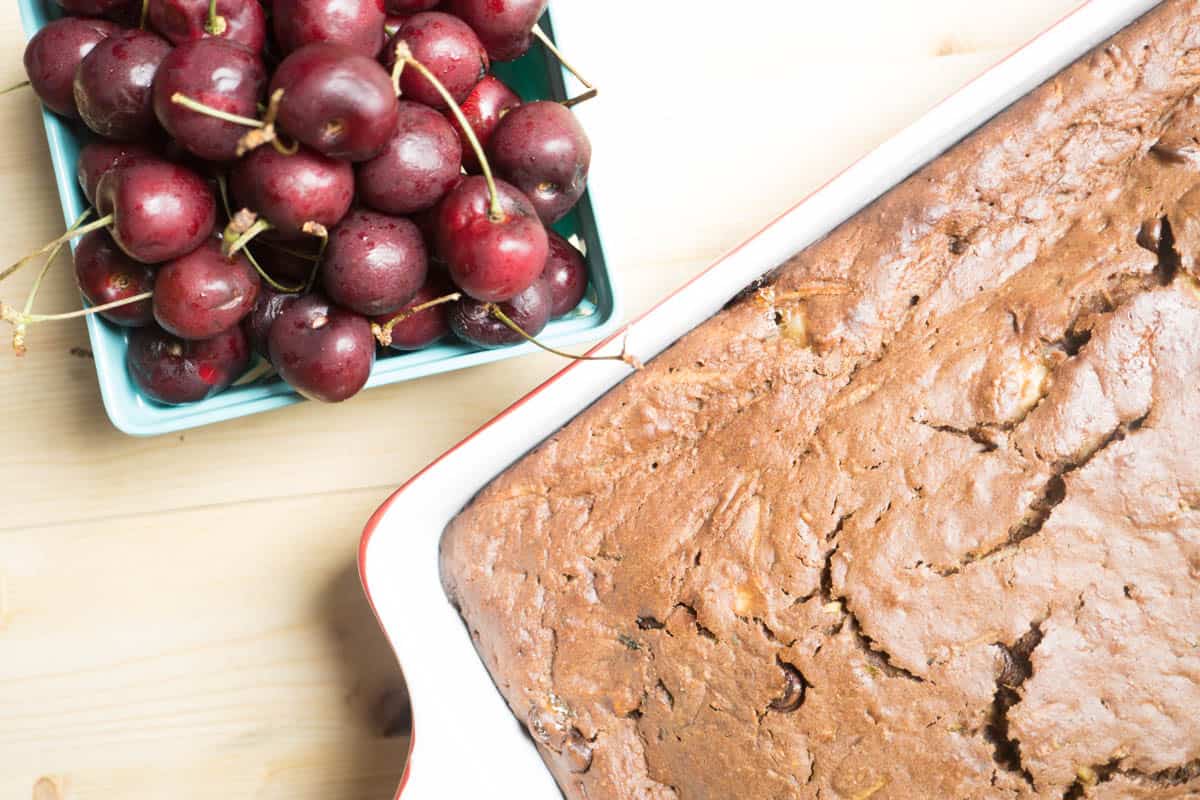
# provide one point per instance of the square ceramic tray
(458, 715)
(536, 75)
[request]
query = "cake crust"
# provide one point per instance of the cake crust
(935, 536)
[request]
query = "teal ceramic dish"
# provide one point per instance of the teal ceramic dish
(536, 75)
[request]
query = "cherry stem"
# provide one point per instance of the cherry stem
(591, 92)
(22, 320)
(624, 357)
(318, 230)
(37, 282)
(14, 87)
(262, 273)
(241, 230)
(181, 99)
(260, 370)
(404, 56)
(216, 24)
(145, 15)
(383, 333)
(265, 130)
(66, 237)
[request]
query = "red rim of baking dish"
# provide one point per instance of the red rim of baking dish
(373, 522)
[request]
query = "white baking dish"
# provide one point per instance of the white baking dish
(466, 743)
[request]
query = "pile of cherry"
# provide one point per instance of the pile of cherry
(306, 179)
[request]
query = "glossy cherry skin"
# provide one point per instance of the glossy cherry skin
(89, 8)
(98, 157)
(373, 263)
(504, 26)
(113, 85)
(291, 190)
(420, 164)
(425, 327)
(448, 48)
(566, 274)
(198, 295)
(218, 73)
(473, 322)
(336, 101)
(354, 24)
(53, 55)
(324, 352)
(543, 150)
(491, 260)
(160, 210)
(487, 103)
(183, 21)
(267, 308)
(105, 275)
(173, 371)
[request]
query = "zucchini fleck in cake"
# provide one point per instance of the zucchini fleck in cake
(919, 517)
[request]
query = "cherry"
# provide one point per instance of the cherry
(204, 293)
(374, 263)
(476, 322)
(408, 7)
(105, 275)
(173, 371)
(290, 191)
(324, 352)
(97, 158)
(180, 21)
(448, 48)
(543, 150)
(492, 256)
(113, 85)
(504, 26)
(221, 75)
(354, 24)
(89, 8)
(566, 274)
(420, 164)
(159, 210)
(53, 55)
(416, 330)
(267, 308)
(336, 101)
(488, 101)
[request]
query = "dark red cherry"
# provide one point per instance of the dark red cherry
(474, 323)
(336, 101)
(491, 260)
(267, 308)
(289, 191)
(424, 327)
(241, 21)
(113, 85)
(566, 275)
(373, 263)
(53, 55)
(89, 8)
(543, 150)
(448, 48)
(219, 74)
(98, 157)
(490, 100)
(173, 371)
(105, 275)
(504, 26)
(160, 210)
(421, 162)
(198, 295)
(324, 352)
(288, 262)
(127, 14)
(354, 24)
(409, 7)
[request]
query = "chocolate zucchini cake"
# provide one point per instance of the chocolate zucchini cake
(919, 517)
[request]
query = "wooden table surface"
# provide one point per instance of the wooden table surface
(181, 616)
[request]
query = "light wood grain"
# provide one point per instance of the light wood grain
(180, 617)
